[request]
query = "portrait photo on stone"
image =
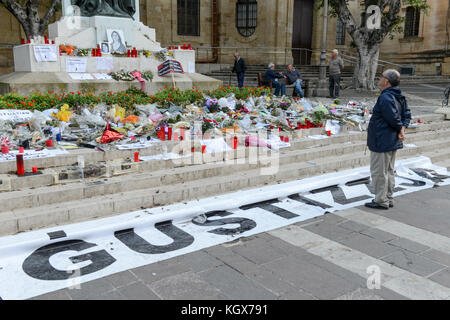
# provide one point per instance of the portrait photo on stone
(116, 40)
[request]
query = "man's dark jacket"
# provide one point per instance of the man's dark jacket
(271, 75)
(239, 66)
(389, 115)
(293, 76)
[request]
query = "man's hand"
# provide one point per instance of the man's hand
(401, 135)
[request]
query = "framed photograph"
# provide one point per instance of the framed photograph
(104, 47)
(116, 41)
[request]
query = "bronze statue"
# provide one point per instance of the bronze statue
(111, 8)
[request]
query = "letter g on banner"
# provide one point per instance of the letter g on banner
(373, 17)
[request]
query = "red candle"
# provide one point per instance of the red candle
(49, 143)
(203, 149)
(22, 41)
(20, 149)
(419, 121)
(5, 149)
(53, 41)
(35, 169)
(235, 142)
(192, 149)
(329, 133)
(128, 53)
(163, 134)
(182, 133)
(286, 139)
(136, 157)
(93, 52)
(169, 134)
(20, 167)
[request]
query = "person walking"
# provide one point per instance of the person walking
(335, 68)
(273, 76)
(385, 135)
(239, 68)
(294, 77)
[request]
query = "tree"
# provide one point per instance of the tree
(27, 13)
(368, 40)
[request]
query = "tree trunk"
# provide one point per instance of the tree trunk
(365, 70)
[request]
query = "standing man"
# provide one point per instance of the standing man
(386, 133)
(239, 68)
(273, 76)
(294, 77)
(335, 69)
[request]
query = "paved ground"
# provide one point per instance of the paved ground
(422, 98)
(329, 257)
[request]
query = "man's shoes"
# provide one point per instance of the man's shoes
(330, 97)
(374, 205)
(391, 205)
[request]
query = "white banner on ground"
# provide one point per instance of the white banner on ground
(32, 154)
(38, 262)
(16, 115)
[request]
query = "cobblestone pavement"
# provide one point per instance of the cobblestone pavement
(422, 98)
(333, 256)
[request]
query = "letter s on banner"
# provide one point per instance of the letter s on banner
(244, 223)
(373, 17)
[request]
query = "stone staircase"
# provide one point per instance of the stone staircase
(112, 184)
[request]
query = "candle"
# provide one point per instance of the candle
(128, 53)
(235, 142)
(203, 149)
(192, 149)
(329, 133)
(20, 149)
(5, 149)
(286, 139)
(49, 143)
(20, 167)
(35, 169)
(169, 133)
(22, 41)
(136, 157)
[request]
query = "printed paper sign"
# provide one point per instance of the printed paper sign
(102, 76)
(45, 53)
(81, 76)
(16, 115)
(76, 64)
(105, 63)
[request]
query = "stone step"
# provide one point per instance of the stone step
(64, 175)
(99, 206)
(300, 149)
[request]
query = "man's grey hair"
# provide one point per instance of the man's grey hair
(335, 51)
(393, 76)
(271, 65)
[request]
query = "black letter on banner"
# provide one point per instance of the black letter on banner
(180, 238)
(268, 206)
(370, 187)
(245, 224)
(339, 196)
(415, 183)
(430, 174)
(38, 266)
(310, 202)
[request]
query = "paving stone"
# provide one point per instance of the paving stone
(121, 279)
(327, 230)
(138, 291)
(199, 261)
(56, 295)
(91, 289)
(296, 295)
(442, 277)
(437, 256)
(111, 295)
(258, 251)
(312, 279)
(412, 263)
(367, 245)
(160, 270)
(408, 245)
(353, 226)
(379, 235)
(372, 294)
(332, 218)
(235, 285)
(189, 286)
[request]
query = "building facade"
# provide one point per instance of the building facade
(279, 31)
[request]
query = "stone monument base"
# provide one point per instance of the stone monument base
(24, 82)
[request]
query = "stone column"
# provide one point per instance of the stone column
(322, 88)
